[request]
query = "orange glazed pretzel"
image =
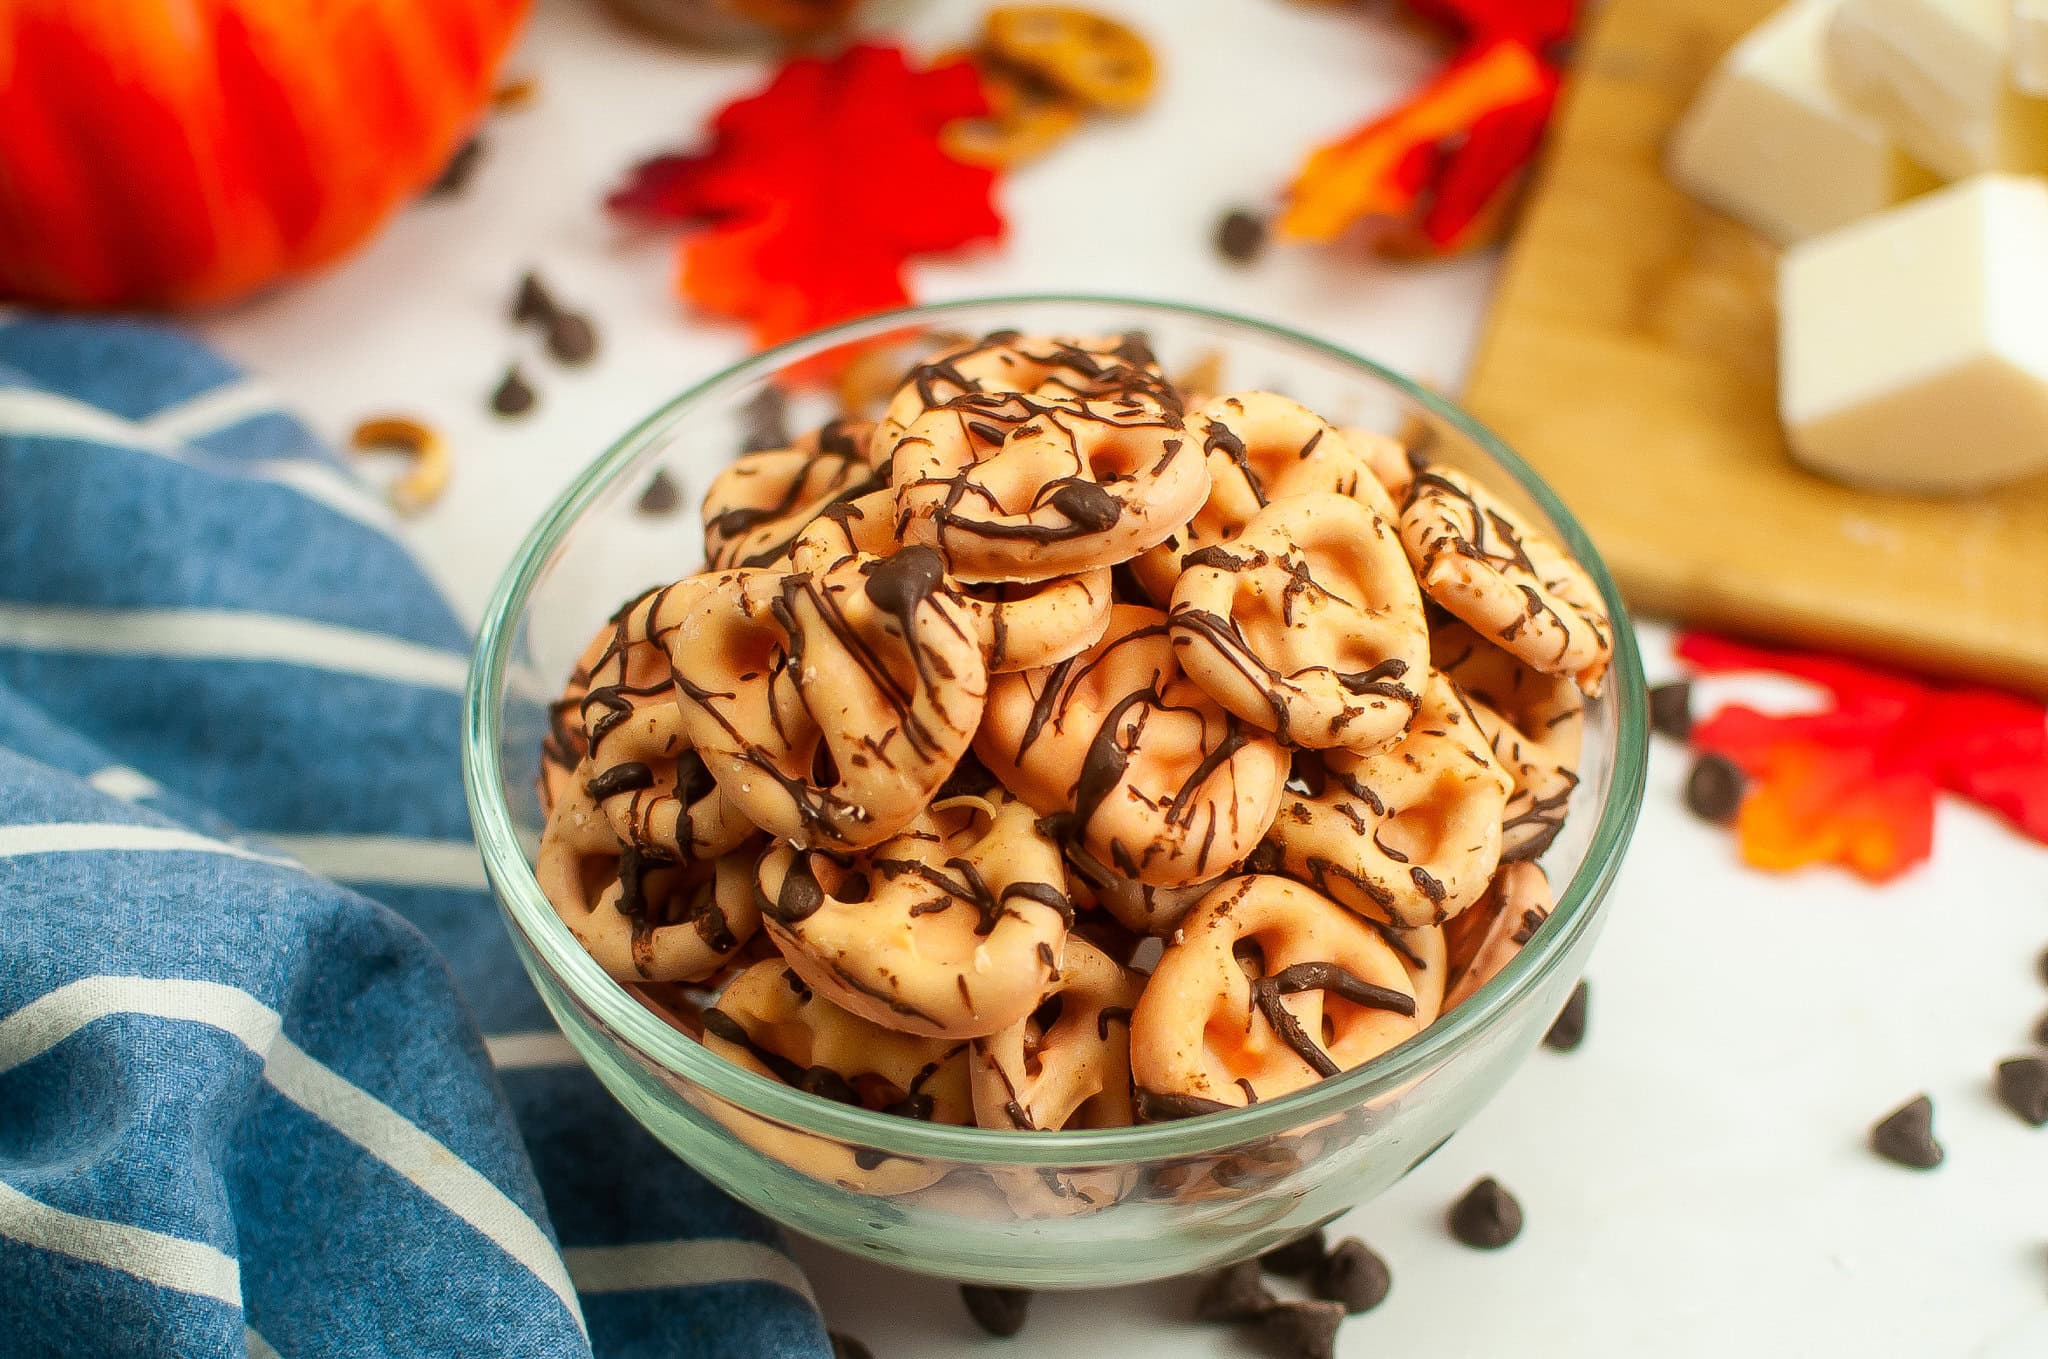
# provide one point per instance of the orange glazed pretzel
(1068, 1063)
(1268, 988)
(1142, 767)
(1308, 623)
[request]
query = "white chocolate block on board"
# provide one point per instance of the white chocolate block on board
(1913, 345)
(2030, 46)
(1770, 143)
(1936, 74)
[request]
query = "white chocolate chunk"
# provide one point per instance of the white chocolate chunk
(1914, 344)
(1771, 143)
(1934, 73)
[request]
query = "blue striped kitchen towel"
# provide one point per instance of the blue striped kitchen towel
(271, 1080)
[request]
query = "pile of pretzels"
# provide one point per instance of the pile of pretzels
(973, 703)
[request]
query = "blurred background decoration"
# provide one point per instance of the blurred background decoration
(178, 153)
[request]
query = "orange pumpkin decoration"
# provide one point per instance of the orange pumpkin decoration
(184, 152)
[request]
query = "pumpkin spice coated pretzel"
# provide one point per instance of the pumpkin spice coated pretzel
(975, 711)
(1259, 448)
(1308, 623)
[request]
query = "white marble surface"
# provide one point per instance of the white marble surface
(1694, 1178)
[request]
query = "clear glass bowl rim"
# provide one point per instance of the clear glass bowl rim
(523, 901)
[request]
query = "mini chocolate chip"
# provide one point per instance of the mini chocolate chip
(1298, 1256)
(1671, 710)
(1713, 790)
(571, 338)
(1306, 1330)
(532, 302)
(1906, 1135)
(513, 394)
(2023, 1086)
(662, 495)
(845, 1346)
(1234, 1294)
(1240, 236)
(1488, 1217)
(764, 421)
(459, 170)
(1568, 1030)
(1353, 1274)
(999, 1311)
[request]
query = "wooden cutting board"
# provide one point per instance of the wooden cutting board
(1631, 358)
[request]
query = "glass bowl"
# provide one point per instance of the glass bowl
(1042, 1209)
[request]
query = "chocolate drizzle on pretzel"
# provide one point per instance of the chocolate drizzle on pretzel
(1045, 679)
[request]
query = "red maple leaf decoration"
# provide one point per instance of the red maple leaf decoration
(814, 193)
(1855, 781)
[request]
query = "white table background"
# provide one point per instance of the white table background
(1695, 1177)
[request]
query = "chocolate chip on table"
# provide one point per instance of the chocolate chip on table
(513, 395)
(532, 303)
(764, 421)
(999, 1311)
(1298, 1256)
(1568, 1030)
(1713, 790)
(1236, 1293)
(459, 170)
(2023, 1088)
(571, 338)
(1304, 1330)
(1240, 236)
(1353, 1274)
(2041, 1032)
(845, 1346)
(1671, 710)
(1906, 1135)
(662, 495)
(1488, 1217)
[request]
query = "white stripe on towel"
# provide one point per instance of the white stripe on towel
(154, 1257)
(386, 860)
(231, 634)
(258, 1347)
(48, 416)
(129, 785)
(351, 1111)
(85, 837)
(682, 1264)
(523, 1051)
(214, 410)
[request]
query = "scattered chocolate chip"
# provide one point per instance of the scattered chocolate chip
(845, 1346)
(513, 394)
(999, 1311)
(532, 303)
(1488, 1217)
(1671, 710)
(1568, 1030)
(1713, 790)
(1298, 1256)
(662, 495)
(459, 170)
(1234, 1294)
(2041, 1031)
(571, 338)
(1240, 236)
(764, 421)
(1354, 1275)
(1906, 1135)
(2023, 1086)
(1305, 1330)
